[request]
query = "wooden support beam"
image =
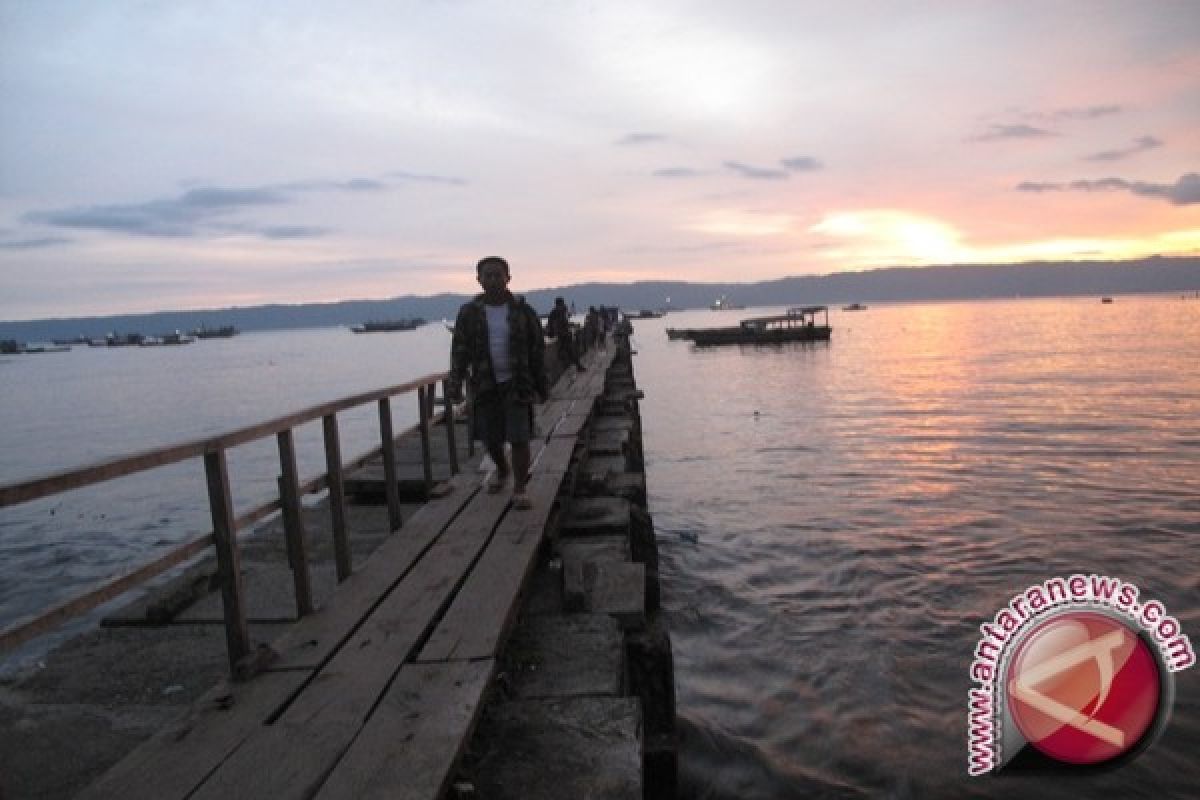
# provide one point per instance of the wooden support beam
(293, 522)
(337, 496)
(423, 393)
(229, 570)
(448, 420)
(389, 462)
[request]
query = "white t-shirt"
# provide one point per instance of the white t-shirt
(497, 324)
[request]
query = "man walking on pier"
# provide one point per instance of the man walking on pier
(558, 325)
(498, 347)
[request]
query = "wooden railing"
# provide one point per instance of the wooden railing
(226, 523)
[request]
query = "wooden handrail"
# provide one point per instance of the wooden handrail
(226, 523)
(36, 488)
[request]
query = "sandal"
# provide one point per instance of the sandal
(496, 482)
(521, 501)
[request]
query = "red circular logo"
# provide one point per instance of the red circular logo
(1083, 688)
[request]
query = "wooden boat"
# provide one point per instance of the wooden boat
(387, 325)
(1105, 299)
(223, 332)
(797, 325)
(679, 333)
(854, 307)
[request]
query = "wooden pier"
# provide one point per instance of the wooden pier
(376, 688)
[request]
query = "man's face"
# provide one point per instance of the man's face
(493, 278)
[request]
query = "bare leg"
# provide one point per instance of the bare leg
(520, 465)
(497, 454)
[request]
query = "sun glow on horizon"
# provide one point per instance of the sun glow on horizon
(889, 236)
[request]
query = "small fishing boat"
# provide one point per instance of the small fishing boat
(797, 325)
(223, 332)
(854, 307)
(679, 333)
(388, 325)
(1105, 299)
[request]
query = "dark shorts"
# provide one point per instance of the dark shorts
(500, 418)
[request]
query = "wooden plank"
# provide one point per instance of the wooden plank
(448, 421)
(389, 462)
(555, 457)
(572, 424)
(424, 401)
(291, 757)
(481, 616)
(337, 497)
(229, 571)
(293, 523)
(409, 747)
(177, 759)
(313, 641)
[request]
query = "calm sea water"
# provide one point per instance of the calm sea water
(60, 410)
(836, 520)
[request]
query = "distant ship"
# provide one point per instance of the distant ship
(223, 332)
(854, 307)
(387, 325)
(723, 303)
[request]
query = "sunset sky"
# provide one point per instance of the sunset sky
(170, 155)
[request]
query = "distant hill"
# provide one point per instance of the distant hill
(960, 282)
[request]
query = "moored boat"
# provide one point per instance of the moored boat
(797, 325)
(854, 307)
(388, 325)
(223, 332)
(679, 333)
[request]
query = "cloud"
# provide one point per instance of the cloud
(35, 244)
(801, 164)
(756, 173)
(417, 177)
(204, 211)
(1085, 113)
(1185, 191)
(353, 185)
(632, 139)
(1018, 131)
(677, 172)
(183, 216)
(1140, 145)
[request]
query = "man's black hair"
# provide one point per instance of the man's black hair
(483, 262)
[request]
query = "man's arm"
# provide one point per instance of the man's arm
(460, 356)
(537, 355)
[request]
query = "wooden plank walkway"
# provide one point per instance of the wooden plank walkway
(377, 692)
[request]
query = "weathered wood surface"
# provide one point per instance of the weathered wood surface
(343, 710)
(407, 750)
(482, 613)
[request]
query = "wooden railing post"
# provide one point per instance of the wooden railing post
(337, 496)
(389, 462)
(229, 569)
(293, 522)
(451, 436)
(470, 423)
(423, 426)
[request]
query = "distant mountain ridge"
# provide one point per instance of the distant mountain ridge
(891, 284)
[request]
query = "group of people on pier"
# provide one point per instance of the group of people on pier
(498, 351)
